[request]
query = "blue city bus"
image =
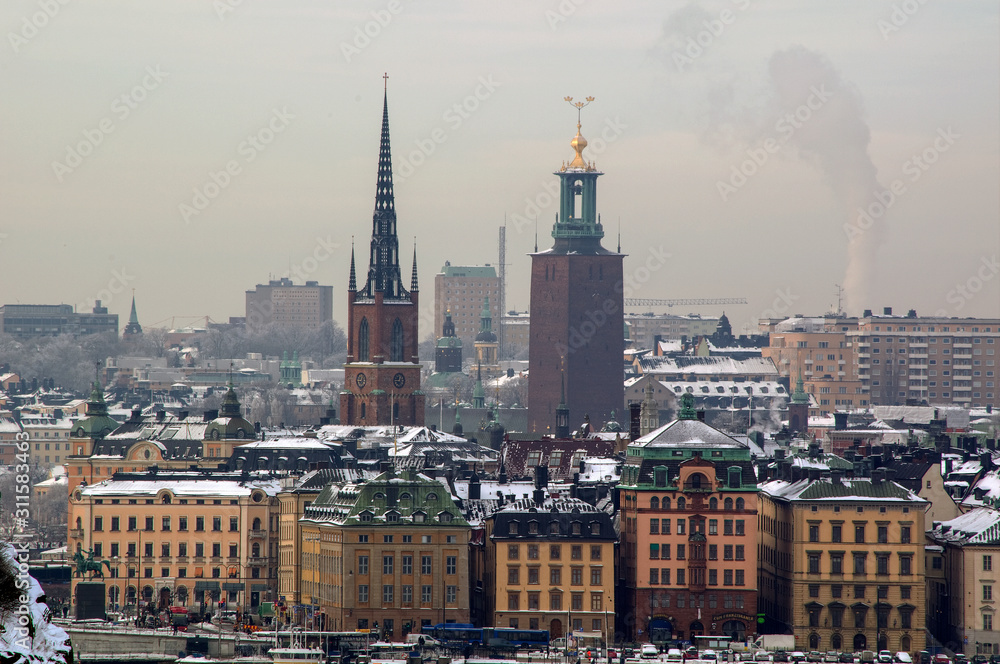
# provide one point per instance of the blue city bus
(456, 634)
(510, 637)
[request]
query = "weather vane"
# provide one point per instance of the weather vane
(579, 105)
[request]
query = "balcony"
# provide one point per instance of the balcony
(257, 561)
(961, 345)
(918, 356)
(261, 534)
(233, 560)
(76, 533)
(918, 345)
(216, 560)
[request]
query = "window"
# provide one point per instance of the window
(596, 601)
(407, 595)
(904, 534)
(905, 564)
(739, 552)
(426, 564)
(836, 563)
(362, 564)
(595, 576)
(98, 523)
(713, 551)
(387, 565)
(680, 523)
(665, 552)
(681, 573)
(883, 534)
(425, 594)
(555, 601)
(727, 577)
(654, 576)
(859, 563)
(727, 552)
(654, 526)
(681, 553)
(882, 563)
(533, 576)
(654, 551)
(987, 592)
(234, 524)
(713, 577)
(182, 523)
(665, 576)
(164, 549)
(451, 594)
(532, 552)
(987, 564)
(149, 523)
(576, 603)
(813, 563)
(450, 564)
(665, 526)
(555, 576)
(836, 533)
(514, 576)
(740, 578)
(387, 592)
(987, 622)
(859, 534)
(363, 593)
(555, 552)
(727, 527)
(407, 561)
(576, 576)
(217, 523)
(199, 523)
(513, 552)
(813, 532)
(576, 552)
(713, 526)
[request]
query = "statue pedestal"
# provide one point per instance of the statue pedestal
(91, 597)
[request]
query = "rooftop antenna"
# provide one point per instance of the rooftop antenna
(840, 295)
(536, 232)
(619, 234)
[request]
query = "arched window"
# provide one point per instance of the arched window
(904, 643)
(79, 523)
(836, 642)
(363, 354)
(681, 503)
(362, 411)
(255, 550)
(740, 504)
(713, 503)
(814, 641)
(654, 503)
(396, 349)
(395, 411)
(727, 504)
(696, 481)
(666, 502)
(256, 524)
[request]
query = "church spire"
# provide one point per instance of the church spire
(383, 260)
(413, 276)
(352, 284)
(133, 326)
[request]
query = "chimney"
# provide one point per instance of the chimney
(839, 421)
(886, 311)
(701, 415)
(475, 488)
(634, 420)
(161, 415)
(814, 474)
(986, 461)
(541, 477)
(779, 454)
(836, 477)
(867, 313)
(182, 415)
(849, 455)
(539, 497)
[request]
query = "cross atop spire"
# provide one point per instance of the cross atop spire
(413, 277)
(385, 77)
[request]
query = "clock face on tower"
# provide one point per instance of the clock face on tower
(399, 380)
(361, 379)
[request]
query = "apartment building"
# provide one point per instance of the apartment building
(818, 349)
(552, 562)
(281, 301)
(179, 538)
(904, 360)
(687, 564)
(842, 562)
(464, 290)
(389, 555)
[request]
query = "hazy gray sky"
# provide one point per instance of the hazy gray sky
(738, 136)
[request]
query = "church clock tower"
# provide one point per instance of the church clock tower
(382, 374)
(576, 307)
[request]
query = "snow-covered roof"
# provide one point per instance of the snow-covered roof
(714, 365)
(824, 489)
(205, 486)
(977, 526)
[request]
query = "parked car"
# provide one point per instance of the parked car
(941, 658)
(832, 657)
(904, 658)
(675, 655)
(648, 651)
(780, 656)
(763, 656)
(691, 653)
(867, 657)
(846, 658)
(814, 656)
(746, 657)
(710, 655)
(797, 656)
(884, 657)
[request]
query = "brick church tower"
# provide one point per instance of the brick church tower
(576, 308)
(382, 374)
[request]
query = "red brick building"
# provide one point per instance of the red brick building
(382, 374)
(577, 328)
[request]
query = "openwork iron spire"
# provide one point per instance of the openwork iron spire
(383, 261)
(352, 284)
(413, 277)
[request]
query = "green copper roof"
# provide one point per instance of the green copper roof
(473, 271)
(799, 395)
(687, 411)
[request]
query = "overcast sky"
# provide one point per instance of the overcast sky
(191, 149)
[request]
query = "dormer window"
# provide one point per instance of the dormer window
(513, 527)
(431, 497)
(365, 516)
(419, 517)
(445, 517)
(392, 517)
